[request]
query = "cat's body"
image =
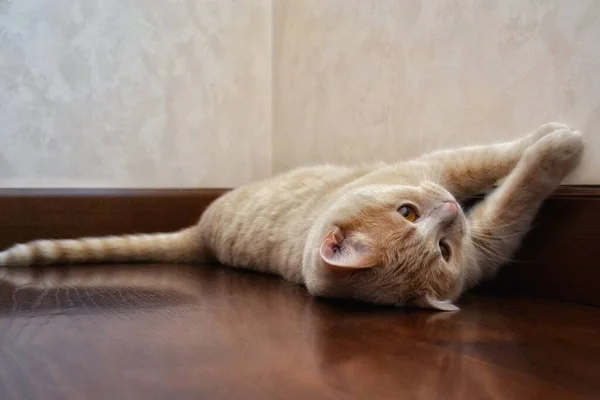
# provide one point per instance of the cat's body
(391, 234)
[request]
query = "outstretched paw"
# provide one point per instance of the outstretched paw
(557, 153)
(545, 130)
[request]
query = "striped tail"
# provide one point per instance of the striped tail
(184, 246)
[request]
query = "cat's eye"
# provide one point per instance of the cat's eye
(444, 251)
(408, 213)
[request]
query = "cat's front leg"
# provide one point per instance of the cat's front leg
(501, 220)
(471, 170)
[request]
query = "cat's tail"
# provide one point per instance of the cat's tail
(184, 246)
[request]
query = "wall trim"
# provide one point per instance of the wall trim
(560, 257)
(29, 214)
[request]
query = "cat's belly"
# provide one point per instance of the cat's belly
(241, 230)
(263, 226)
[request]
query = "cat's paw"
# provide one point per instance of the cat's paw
(545, 130)
(556, 154)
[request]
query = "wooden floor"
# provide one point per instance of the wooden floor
(173, 332)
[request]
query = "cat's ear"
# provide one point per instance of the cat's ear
(343, 254)
(430, 302)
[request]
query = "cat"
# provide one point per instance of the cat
(382, 233)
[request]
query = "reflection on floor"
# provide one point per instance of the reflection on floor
(178, 332)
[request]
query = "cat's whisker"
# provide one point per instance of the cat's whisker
(487, 225)
(495, 236)
(490, 253)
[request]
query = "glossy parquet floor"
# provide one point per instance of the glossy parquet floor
(205, 332)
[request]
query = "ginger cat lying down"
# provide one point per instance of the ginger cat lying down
(389, 234)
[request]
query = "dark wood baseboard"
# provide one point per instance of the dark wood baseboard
(29, 214)
(559, 258)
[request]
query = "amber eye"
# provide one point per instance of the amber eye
(409, 213)
(444, 251)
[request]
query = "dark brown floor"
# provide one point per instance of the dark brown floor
(172, 332)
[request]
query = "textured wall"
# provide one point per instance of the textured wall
(178, 93)
(386, 79)
(134, 92)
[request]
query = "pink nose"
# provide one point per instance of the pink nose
(450, 211)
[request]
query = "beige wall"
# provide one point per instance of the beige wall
(131, 93)
(134, 92)
(360, 80)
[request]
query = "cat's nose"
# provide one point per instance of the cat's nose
(449, 211)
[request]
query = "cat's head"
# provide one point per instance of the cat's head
(389, 244)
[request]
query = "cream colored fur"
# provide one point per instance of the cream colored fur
(338, 230)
